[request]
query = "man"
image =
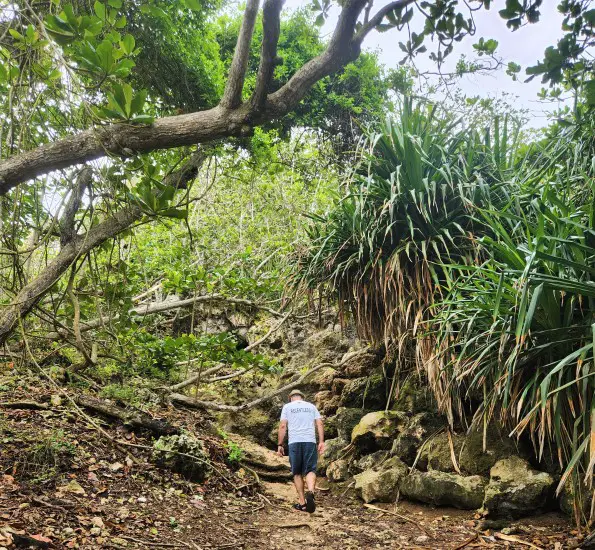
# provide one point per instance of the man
(302, 419)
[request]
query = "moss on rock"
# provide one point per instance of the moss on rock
(183, 454)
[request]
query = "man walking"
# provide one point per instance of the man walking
(302, 419)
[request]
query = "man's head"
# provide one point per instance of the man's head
(295, 395)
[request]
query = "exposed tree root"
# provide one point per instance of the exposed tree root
(133, 419)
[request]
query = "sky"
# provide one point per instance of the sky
(524, 46)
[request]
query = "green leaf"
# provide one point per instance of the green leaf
(100, 10)
(127, 44)
(115, 3)
(193, 5)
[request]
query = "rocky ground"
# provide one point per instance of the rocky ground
(63, 485)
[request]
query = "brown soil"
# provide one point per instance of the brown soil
(99, 498)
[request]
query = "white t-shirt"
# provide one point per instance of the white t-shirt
(300, 416)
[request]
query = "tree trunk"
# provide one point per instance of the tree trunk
(77, 247)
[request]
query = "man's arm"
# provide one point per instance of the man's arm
(320, 430)
(281, 437)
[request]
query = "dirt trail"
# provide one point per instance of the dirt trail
(342, 522)
(97, 498)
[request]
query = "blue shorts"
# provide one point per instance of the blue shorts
(303, 458)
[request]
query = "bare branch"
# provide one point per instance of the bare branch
(169, 305)
(379, 16)
(76, 247)
(232, 96)
(180, 399)
(271, 28)
(72, 206)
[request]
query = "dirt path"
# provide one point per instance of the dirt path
(97, 498)
(343, 522)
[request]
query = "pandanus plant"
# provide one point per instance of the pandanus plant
(404, 212)
(518, 330)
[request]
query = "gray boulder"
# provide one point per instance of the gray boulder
(414, 397)
(468, 450)
(516, 489)
(375, 460)
(410, 440)
(473, 459)
(333, 451)
(444, 489)
(436, 455)
(183, 454)
(377, 430)
(381, 485)
(323, 379)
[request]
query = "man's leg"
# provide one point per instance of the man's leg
(298, 481)
(311, 481)
(310, 463)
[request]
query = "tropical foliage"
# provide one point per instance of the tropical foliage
(475, 261)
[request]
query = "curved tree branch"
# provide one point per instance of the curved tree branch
(271, 29)
(232, 96)
(79, 245)
(123, 140)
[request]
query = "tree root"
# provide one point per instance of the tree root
(133, 419)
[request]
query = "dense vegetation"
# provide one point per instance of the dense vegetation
(145, 162)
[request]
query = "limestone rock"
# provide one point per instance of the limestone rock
(416, 433)
(338, 470)
(323, 379)
(360, 365)
(414, 397)
(333, 451)
(56, 400)
(330, 427)
(375, 460)
(369, 392)
(381, 484)
(475, 461)
(516, 489)
(339, 385)
(326, 344)
(567, 503)
(330, 407)
(378, 429)
(346, 419)
(444, 489)
(436, 454)
(194, 467)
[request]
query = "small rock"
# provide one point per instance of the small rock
(377, 429)
(56, 400)
(95, 531)
(73, 487)
(381, 485)
(97, 522)
(421, 539)
(142, 499)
